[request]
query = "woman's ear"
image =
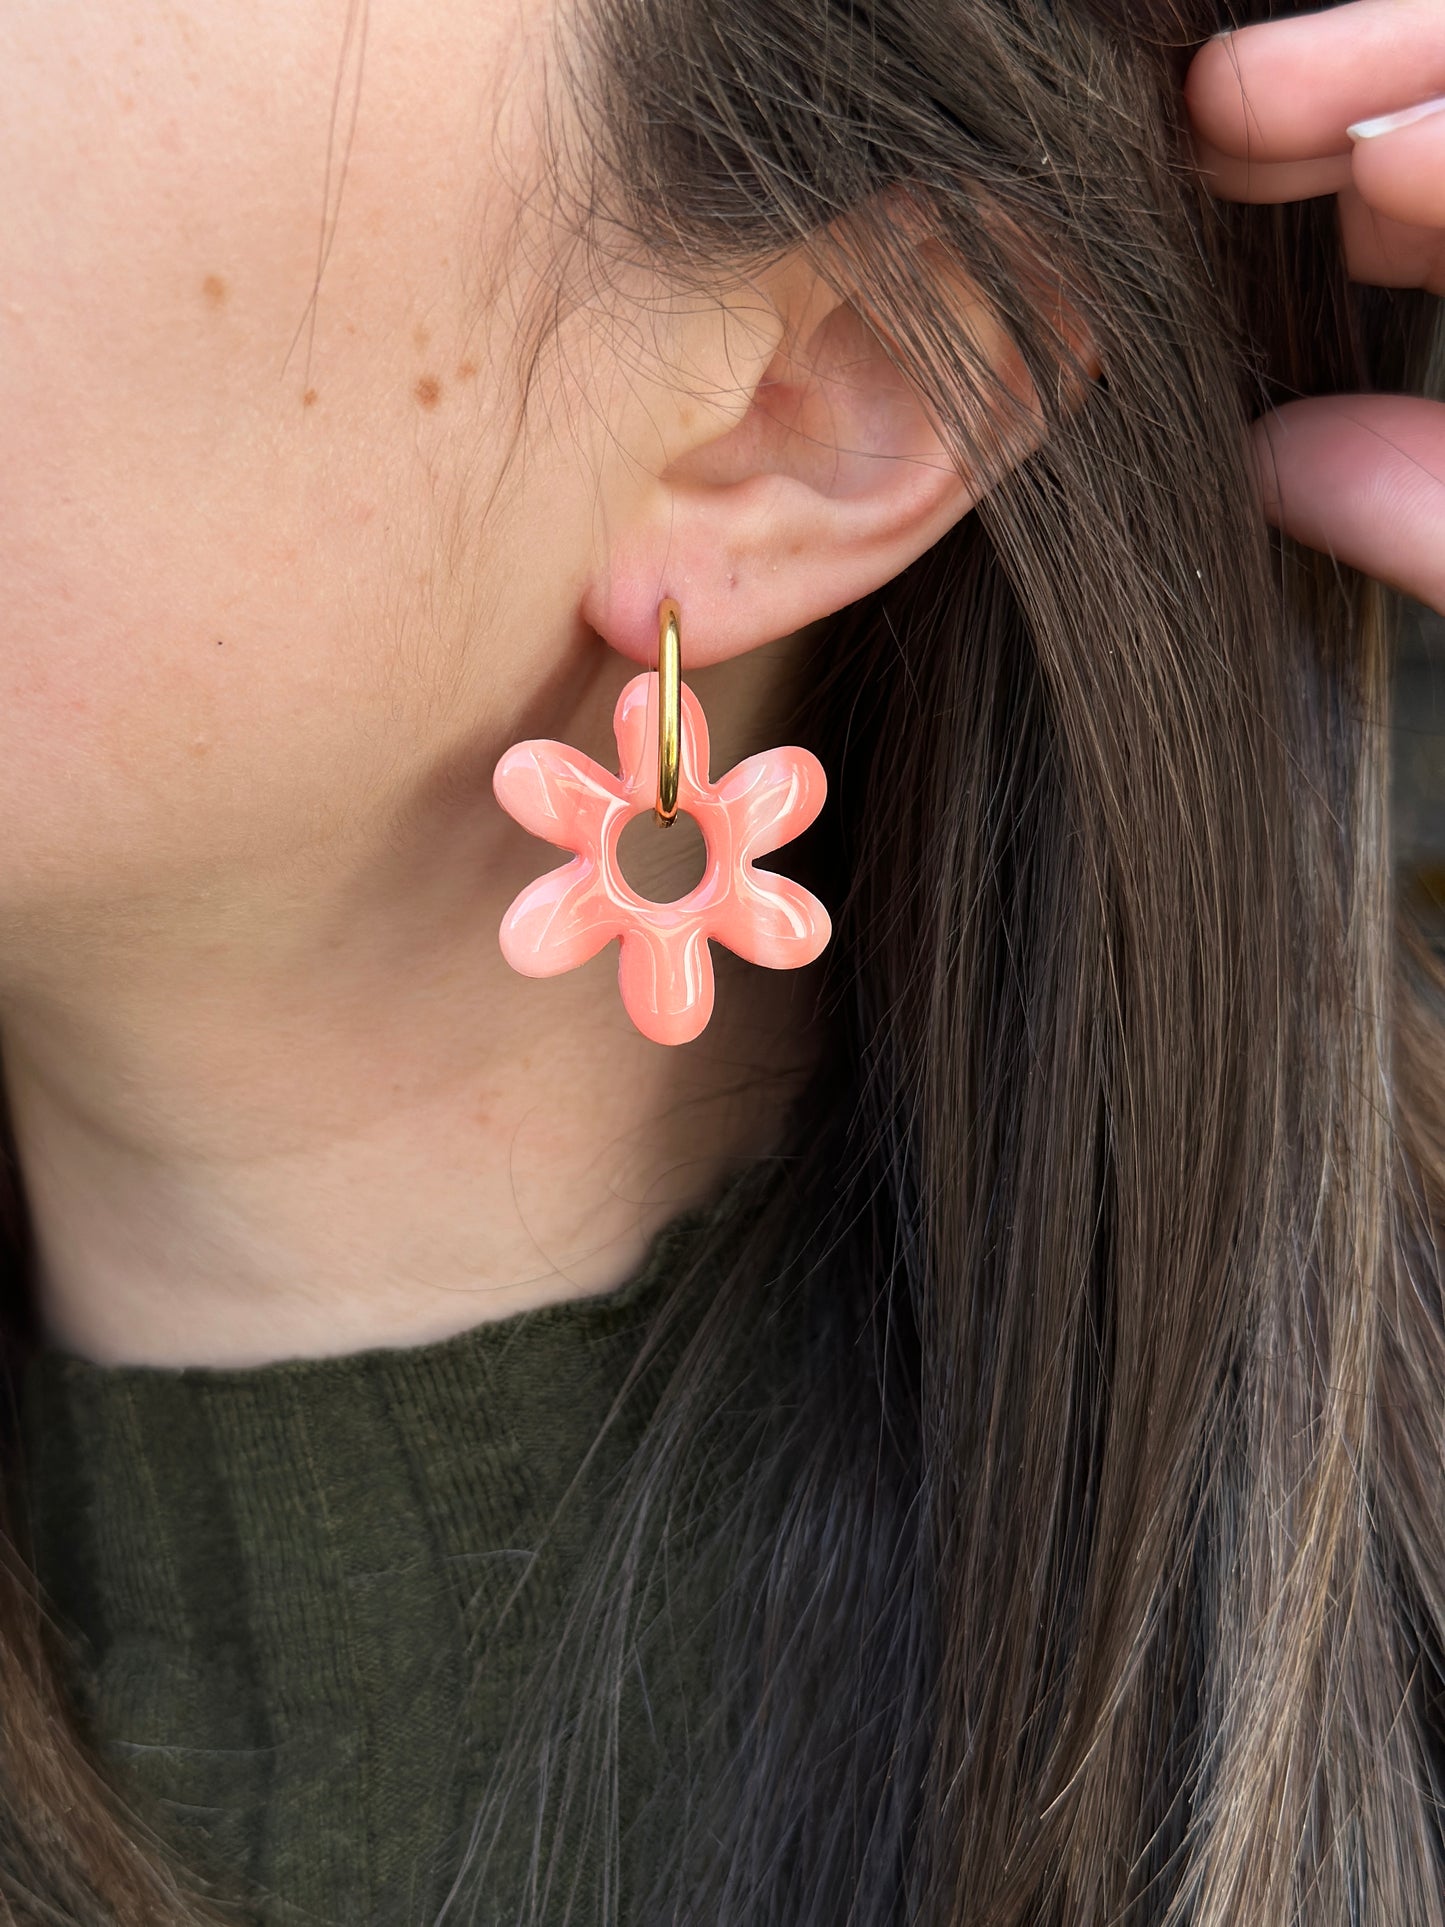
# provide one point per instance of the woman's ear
(775, 465)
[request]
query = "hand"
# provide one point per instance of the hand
(1348, 102)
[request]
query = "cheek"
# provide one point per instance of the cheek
(222, 492)
(157, 722)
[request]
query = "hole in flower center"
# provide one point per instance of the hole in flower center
(662, 863)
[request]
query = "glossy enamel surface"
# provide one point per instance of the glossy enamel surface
(665, 967)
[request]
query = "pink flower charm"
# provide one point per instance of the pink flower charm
(665, 969)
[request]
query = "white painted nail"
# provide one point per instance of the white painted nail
(1365, 130)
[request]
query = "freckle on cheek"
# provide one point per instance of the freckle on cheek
(214, 290)
(428, 391)
(465, 370)
(308, 400)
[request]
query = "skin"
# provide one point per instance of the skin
(1362, 477)
(285, 566)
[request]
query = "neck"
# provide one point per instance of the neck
(312, 1111)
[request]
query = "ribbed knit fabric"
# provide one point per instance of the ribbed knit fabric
(283, 1586)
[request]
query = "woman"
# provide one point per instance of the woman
(960, 1440)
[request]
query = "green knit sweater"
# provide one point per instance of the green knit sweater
(284, 1591)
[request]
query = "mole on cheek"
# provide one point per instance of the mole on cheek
(428, 391)
(214, 290)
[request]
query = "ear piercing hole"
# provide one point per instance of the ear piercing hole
(662, 862)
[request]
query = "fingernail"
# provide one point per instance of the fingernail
(1365, 130)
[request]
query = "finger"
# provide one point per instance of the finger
(1402, 172)
(1390, 254)
(1362, 477)
(1286, 90)
(1235, 179)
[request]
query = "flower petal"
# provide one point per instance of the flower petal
(634, 723)
(666, 979)
(559, 921)
(771, 920)
(771, 798)
(556, 792)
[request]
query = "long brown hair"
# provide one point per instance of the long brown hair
(1090, 1558)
